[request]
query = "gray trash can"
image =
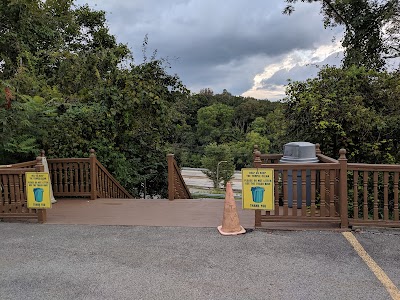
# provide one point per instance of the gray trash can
(299, 152)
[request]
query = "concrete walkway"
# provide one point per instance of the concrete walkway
(149, 212)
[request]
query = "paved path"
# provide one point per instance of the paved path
(40, 262)
(195, 178)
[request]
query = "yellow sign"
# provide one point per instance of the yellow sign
(258, 189)
(38, 190)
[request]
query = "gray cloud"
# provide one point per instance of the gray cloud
(300, 73)
(214, 44)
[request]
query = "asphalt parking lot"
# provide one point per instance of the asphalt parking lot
(138, 262)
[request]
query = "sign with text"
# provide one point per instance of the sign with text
(38, 190)
(258, 188)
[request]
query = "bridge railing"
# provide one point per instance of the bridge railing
(351, 193)
(83, 177)
(13, 195)
(177, 188)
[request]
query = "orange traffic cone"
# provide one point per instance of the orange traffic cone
(230, 221)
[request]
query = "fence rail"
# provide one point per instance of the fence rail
(333, 191)
(70, 177)
(373, 194)
(83, 177)
(13, 195)
(107, 186)
(177, 188)
(28, 164)
(305, 192)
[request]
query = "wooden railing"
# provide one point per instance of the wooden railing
(27, 164)
(333, 191)
(107, 186)
(177, 188)
(266, 158)
(70, 177)
(83, 177)
(13, 196)
(373, 194)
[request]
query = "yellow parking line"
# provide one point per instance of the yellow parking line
(379, 273)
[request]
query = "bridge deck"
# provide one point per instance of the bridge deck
(150, 212)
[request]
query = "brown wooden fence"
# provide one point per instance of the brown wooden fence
(177, 188)
(332, 190)
(70, 177)
(83, 177)
(13, 199)
(373, 194)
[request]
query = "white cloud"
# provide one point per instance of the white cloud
(294, 60)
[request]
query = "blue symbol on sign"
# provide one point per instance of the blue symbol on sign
(38, 192)
(257, 193)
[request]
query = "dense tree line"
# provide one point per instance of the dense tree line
(71, 87)
(67, 86)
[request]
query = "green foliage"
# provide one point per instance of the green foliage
(371, 28)
(274, 127)
(221, 118)
(75, 88)
(214, 123)
(350, 108)
(241, 150)
(218, 161)
(20, 128)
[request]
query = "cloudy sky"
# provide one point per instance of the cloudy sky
(246, 47)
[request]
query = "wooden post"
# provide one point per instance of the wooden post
(41, 213)
(171, 177)
(257, 164)
(255, 149)
(93, 175)
(257, 159)
(343, 189)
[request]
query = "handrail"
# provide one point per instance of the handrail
(271, 158)
(84, 177)
(326, 159)
(287, 166)
(184, 186)
(27, 164)
(16, 171)
(177, 188)
(112, 179)
(60, 160)
(372, 167)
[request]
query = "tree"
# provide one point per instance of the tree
(274, 128)
(20, 126)
(214, 123)
(247, 111)
(74, 91)
(353, 108)
(68, 46)
(364, 22)
(218, 159)
(242, 150)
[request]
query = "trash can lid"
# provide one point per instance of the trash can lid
(299, 152)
